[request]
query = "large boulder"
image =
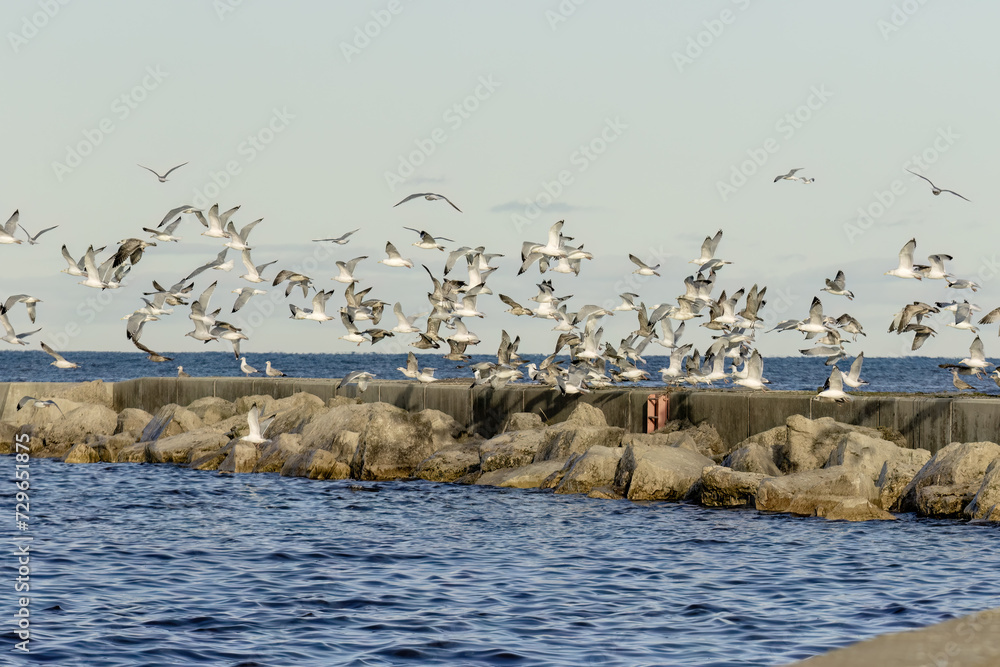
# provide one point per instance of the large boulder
(585, 414)
(595, 468)
(895, 476)
(88, 419)
(276, 453)
(182, 420)
(855, 509)
(321, 432)
(315, 464)
(857, 450)
(658, 473)
(450, 463)
(82, 453)
(240, 457)
(986, 503)
(132, 421)
(294, 413)
(809, 442)
(186, 447)
(725, 487)
(709, 442)
(394, 441)
(212, 409)
(566, 439)
(522, 421)
(264, 402)
(526, 477)
(511, 450)
(950, 480)
(814, 492)
(753, 458)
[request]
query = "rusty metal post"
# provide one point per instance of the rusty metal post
(657, 411)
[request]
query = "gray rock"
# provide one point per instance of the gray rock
(753, 457)
(950, 480)
(895, 476)
(567, 439)
(134, 453)
(709, 442)
(522, 421)
(88, 419)
(857, 450)
(585, 414)
(526, 477)
(511, 450)
(658, 473)
(182, 421)
(132, 420)
(394, 442)
(987, 499)
(186, 447)
(277, 452)
(450, 463)
(264, 402)
(295, 413)
(315, 464)
(240, 457)
(212, 409)
(855, 509)
(725, 487)
(82, 453)
(814, 492)
(209, 459)
(810, 442)
(595, 468)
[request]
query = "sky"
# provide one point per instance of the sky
(646, 126)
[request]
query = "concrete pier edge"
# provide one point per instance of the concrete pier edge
(927, 421)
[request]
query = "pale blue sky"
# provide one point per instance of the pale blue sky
(332, 121)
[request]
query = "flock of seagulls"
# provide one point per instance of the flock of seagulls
(732, 316)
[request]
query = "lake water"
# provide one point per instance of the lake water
(160, 565)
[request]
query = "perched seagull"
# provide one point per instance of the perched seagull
(7, 231)
(167, 235)
(257, 426)
(33, 240)
(181, 373)
(163, 179)
(272, 372)
(429, 196)
(394, 258)
(853, 377)
(340, 240)
(644, 269)
(346, 274)
(838, 286)
(833, 390)
(935, 190)
(359, 378)
(247, 368)
(60, 361)
(790, 176)
(39, 404)
(428, 242)
(905, 268)
(244, 295)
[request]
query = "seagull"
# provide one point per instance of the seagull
(853, 377)
(838, 286)
(411, 370)
(238, 240)
(936, 270)
(961, 283)
(60, 361)
(294, 279)
(247, 368)
(181, 373)
(518, 309)
(905, 268)
(219, 263)
(429, 196)
(935, 190)
(272, 372)
(428, 242)
(216, 223)
(958, 382)
(963, 319)
(163, 179)
(244, 295)
(340, 240)
(152, 356)
(39, 404)
(394, 258)
(405, 323)
(708, 248)
(644, 269)
(755, 373)
(7, 231)
(359, 378)
(426, 375)
(167, 235)
(346, 274)
(318, 312)
(790, 176)
(186, 208)
(833, 390)
(33, 240)
(353, 335)
(28, 301)
(976, 358)
(131, 250)
(257, 426)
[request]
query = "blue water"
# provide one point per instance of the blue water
(159, 565)
(886, 374)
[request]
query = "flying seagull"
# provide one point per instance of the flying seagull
(359, 378)
(935, 190)
(428, 242)
(163, 179)
(905, 268)
(257, 426)
(33, 240)
(60, 361)
(38, 403)
(340, 240)
(790, 176)
(7, 231)
(838, 286)
(429, 196)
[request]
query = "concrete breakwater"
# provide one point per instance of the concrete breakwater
(926, 422)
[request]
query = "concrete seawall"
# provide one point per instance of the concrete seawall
(929, 422)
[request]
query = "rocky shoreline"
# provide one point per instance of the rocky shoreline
(807, 467)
